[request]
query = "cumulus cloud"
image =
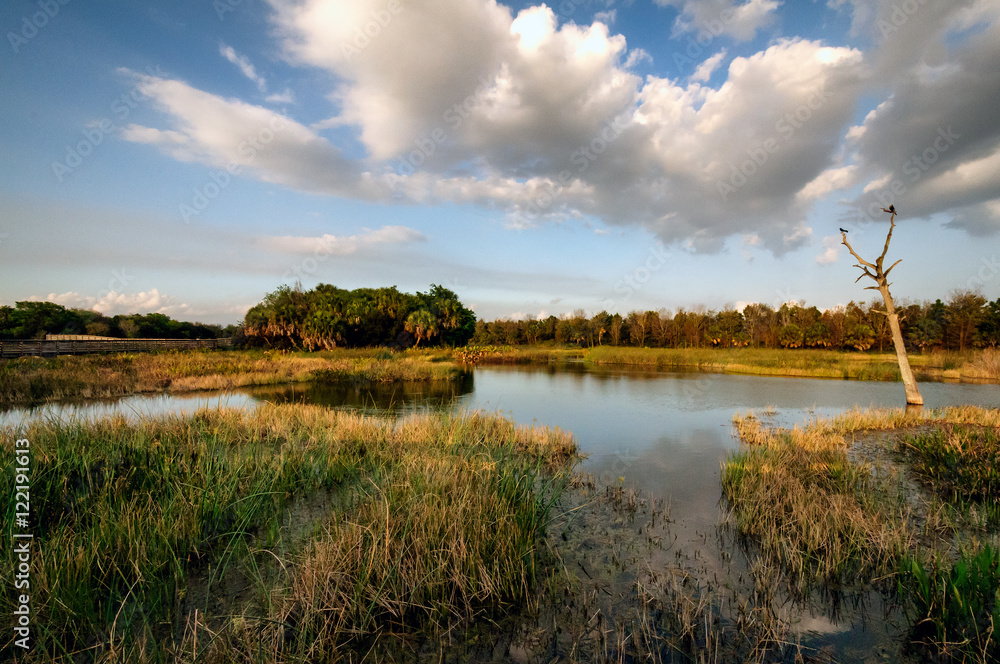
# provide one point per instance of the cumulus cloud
(740, 21)
(114, 303)
(934, 144)
(464, 101)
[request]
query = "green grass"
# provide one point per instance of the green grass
(827, 518)
(33, 379)
(810, 509)
(802, 363)
(955, 607)
(960, 463)
(415, 524)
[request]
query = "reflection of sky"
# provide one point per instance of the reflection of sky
(132, 407)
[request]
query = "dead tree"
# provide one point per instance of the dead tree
(882, 284)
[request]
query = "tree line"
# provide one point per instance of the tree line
(330, 317)
(33, 320)
(966, 320)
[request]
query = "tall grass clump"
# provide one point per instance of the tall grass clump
(810, 508)
(447, 537)
(961, 463)
(423, 520)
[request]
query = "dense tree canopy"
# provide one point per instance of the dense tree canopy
(967, 320)
(329, 317)
(33, 320)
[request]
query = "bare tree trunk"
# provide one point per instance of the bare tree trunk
(881, 279)
(913, 397)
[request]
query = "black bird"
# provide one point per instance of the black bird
(891, 210)
(843, 230)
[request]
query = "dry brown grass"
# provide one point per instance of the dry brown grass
(91, 376)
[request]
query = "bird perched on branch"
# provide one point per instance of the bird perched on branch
(891, 210)
(843, 230)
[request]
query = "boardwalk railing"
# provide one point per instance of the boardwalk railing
(19, 347)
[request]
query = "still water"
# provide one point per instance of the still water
(663, 434)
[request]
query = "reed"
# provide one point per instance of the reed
(422, 522)
(803, 363)
(810, 503)
(34, 379)
(821, 516)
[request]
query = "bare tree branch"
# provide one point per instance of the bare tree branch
(882, 285)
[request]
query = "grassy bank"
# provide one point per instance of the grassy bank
(805, 363)
(906, 503)
(289, 534)
(474, 354)
(33, 379)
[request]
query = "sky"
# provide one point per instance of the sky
(189, 157)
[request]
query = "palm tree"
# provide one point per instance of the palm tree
(422, 324)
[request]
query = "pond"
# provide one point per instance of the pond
(662, 434)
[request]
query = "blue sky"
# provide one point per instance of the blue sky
(189, 157)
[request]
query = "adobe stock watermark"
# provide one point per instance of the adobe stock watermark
(761, 153)
(582, 158)
(32, 24)
(454, 116)
(376, 21)
(989, 268)
(901, 13)
(636, 279)
(249, 148)
(308, 266)
(708, 32)
(913, 168)
(119, 281)
(95, 133)
(223, 7)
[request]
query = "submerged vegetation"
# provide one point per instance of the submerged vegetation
(889, 500)
(287, 534)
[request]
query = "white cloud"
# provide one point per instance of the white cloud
(830, 180)
(637, 55)
(251, 140)
(114, 303)
(286, 97)
(241, 61)
(715, 18)
(831, 250)
(332, 245)
(541, 121)
(705, 70)
(934, 144)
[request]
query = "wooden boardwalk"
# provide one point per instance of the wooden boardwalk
(50, 348)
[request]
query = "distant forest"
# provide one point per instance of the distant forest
(33, 320)
(967, 320)
(330, 317)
